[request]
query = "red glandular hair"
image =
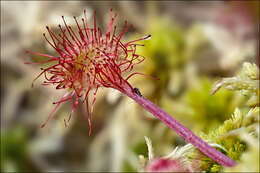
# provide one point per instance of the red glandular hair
(88, 60)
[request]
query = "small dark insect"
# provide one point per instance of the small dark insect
(137, 92)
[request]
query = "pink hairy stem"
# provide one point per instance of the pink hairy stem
(184, 132)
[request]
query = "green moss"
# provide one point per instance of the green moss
(215, 168)
(227, 135)
(246, 81)
(140, 149)
(208, 111)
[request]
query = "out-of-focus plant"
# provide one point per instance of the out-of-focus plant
(207, 111)
(174, 162)
(170, 50)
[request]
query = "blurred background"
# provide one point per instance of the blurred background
(193, 45)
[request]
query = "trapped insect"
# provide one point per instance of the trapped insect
(137, 92)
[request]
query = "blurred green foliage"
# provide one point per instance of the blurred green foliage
(164, 52)
(169, 50)
(207, 111)
(14, 151)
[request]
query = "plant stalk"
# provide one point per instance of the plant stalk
(181, 130)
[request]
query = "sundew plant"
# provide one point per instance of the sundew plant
(89, 59)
